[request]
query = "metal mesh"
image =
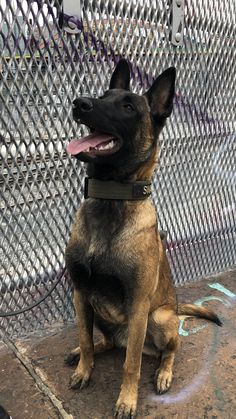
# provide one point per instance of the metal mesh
(42, 68)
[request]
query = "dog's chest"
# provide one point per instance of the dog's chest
(112, 274)
(106, 250)
(107, 227)
(100, 258)
(110, 258)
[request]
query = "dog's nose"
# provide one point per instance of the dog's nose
(83, 104)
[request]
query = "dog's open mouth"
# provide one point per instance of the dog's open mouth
(95, 144)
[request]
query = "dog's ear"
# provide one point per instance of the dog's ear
(120, 78)
(161, 93)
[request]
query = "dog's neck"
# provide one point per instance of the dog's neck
(142, 172)
(106, 172)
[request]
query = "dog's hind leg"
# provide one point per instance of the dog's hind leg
(99, 347)
(163, 327)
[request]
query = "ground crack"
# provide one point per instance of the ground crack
(38, 377)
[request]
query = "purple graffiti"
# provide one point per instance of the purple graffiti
(70, 21)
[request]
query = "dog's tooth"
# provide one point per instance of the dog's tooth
(109, 145)
(105, 147)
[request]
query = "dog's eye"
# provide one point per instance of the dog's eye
(128, 107)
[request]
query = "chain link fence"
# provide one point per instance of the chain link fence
(42, 69)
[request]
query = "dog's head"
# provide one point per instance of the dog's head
(124, 126)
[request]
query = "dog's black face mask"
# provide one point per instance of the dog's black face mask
(124, 126)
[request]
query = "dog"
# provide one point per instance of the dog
(115, 256)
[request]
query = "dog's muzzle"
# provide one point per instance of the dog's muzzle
(83, 105)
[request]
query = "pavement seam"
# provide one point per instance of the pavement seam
(38, 377)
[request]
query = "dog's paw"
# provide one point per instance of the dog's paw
(125, 410)
(72, 359)
(79, 380)
(163, 382)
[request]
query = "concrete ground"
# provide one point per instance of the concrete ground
(34, 379)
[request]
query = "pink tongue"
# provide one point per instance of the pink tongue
(76, 146)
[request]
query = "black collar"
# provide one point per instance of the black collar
(109, 189)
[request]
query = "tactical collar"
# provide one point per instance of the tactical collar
(109, 189)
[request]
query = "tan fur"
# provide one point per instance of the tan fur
(145, 172)
(86, 362)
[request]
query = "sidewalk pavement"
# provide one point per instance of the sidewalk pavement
(34, 379)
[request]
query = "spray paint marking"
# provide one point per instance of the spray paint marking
(183, 332)
(221, 288)
(211, 297)
(201, 377)
(197, 381)
(183, 394)
(200, 301)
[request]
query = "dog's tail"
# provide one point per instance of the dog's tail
(198, 311)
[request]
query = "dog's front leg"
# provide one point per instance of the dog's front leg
(137, 326)
(85, 315)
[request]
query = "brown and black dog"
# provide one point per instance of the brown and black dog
(115, 257)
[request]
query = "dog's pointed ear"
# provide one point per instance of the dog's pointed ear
(120, 78)
(161, 94)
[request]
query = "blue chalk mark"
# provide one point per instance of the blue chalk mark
(183, 332)
(221, 288)
(210, 298)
